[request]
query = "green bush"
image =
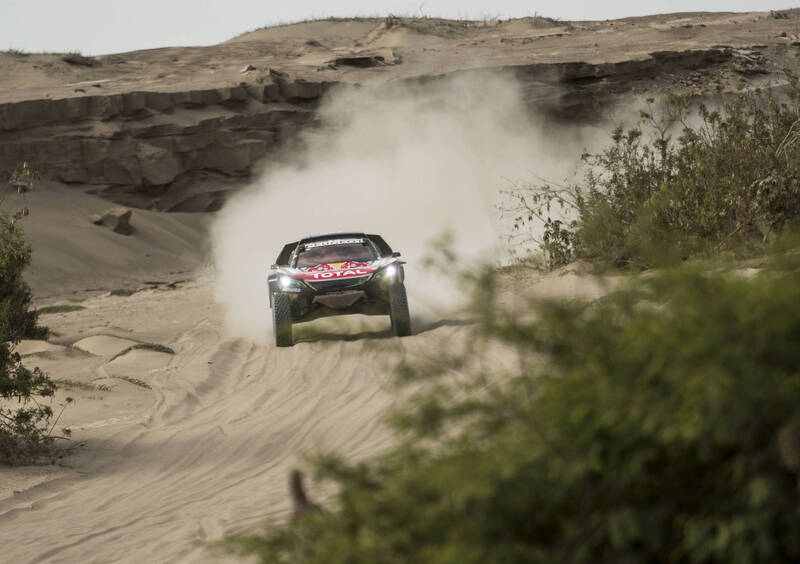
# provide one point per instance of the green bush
(24, 433)
(640, 428)
(684, 182)
(17, 320)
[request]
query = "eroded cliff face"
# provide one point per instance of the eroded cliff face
(178, 129)
(144, 148)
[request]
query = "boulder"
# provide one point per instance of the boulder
(300, 89)
(278, 75)
(158, 166)
(118, 220)
(78, 59)
(96, 218)
(366, 59)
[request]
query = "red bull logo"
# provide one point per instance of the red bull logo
(337, 270)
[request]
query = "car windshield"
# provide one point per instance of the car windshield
(325, 252)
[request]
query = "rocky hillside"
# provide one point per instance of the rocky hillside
(178, 128)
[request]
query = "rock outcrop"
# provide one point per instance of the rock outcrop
(173, 146)
(116, 219)
(141, 143)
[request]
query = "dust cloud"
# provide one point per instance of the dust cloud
(407, 161)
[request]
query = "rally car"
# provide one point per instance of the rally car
(337, 274)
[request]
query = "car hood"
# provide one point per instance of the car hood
(337, 271)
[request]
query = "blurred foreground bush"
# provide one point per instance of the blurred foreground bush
(684, 182)
(659, 424)
(24, 433)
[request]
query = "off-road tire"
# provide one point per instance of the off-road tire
(398, 310)
(282, 320)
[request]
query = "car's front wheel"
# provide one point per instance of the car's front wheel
(282, 319)
(398, 310)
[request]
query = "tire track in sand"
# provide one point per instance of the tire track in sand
(229, 419)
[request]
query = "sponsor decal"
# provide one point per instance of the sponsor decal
(337, 266)
(332, 242)
(336, 274)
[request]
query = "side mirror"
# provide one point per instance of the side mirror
(396, 254)
(273, 267)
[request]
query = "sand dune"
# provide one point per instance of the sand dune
(207, 448)
(73, 255)
(172, 451)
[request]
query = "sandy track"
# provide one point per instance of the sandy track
(178, 450)
(207, 449)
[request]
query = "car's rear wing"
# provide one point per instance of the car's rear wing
(283, 258)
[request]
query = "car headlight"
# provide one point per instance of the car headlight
(387, 274)
(289, 283)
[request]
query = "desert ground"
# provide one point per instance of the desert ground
(171, 450)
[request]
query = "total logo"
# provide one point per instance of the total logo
(333, 274)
